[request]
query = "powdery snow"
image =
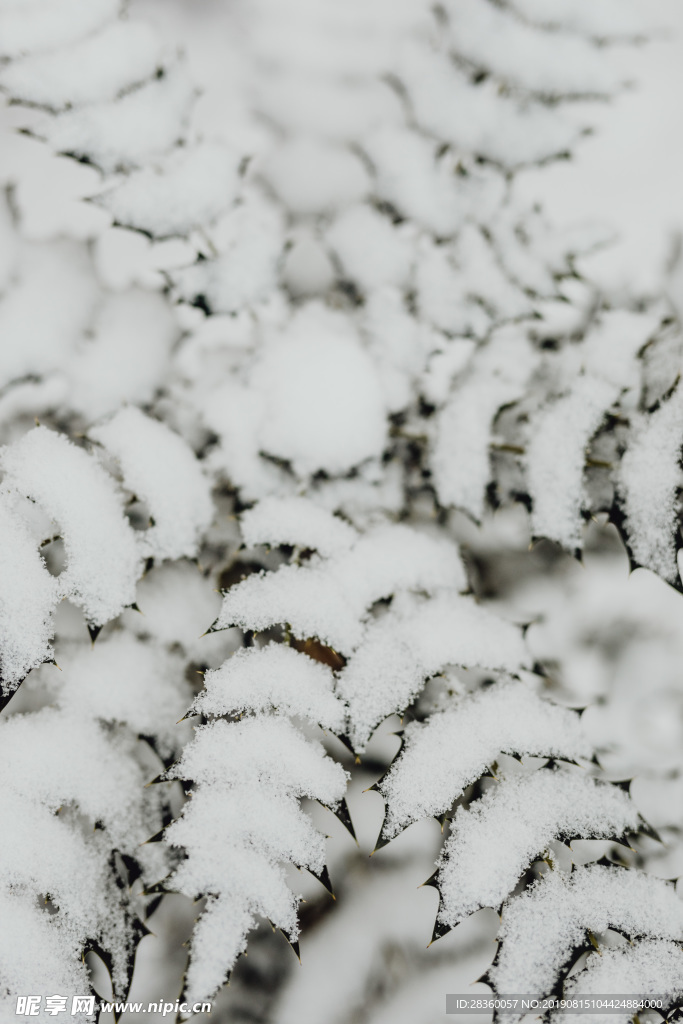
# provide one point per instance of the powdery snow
(103, 563)
(188, 189)
(125, 356)
(43, 25)
(127, 132)
(324, 404)
(649, 481)
(29, 596)
(296, 521)
(542, 927)
(456, 746)
(558, 437)
(160, 468)
(125, 53)
(261, 751)
(648, 966)
(493, 842)
(274, 677)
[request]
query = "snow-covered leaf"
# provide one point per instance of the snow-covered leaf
(103, 563)
(527, 812)
(542, 928)
(455, 747)
(160, 468)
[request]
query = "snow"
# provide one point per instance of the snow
(423, 186)
(298, 522)
(481, 121)
(649, 481)
(127, 132)
(308, 600)
(441, 298)
(249, 241)
(603, 184)
(125, 355)
(612, 343)
(61, 967)
(542, 928)
(558, 437)
(492, 38)
(648, 966)
(160, 469)
(63, 773)
(372, 252)
(272, 678)
(123, 679)
(339, 111)
(307, 269)
(394, 557)
(599, 18)
(261, 751)
(324, 404)
(102, 559)
(482, 639)
(215, 820)
(175, 603)
(456, 746)
(497, 375)
(188, 189)
(54, 758)
(527, 812)
(397, 344)
(96, 69)
(28, 598)
(43, 25)
(292, 399)
(400, 651)
(312, 177)
(242, 822)
(330, 598)
(44, 313)
(219, 937)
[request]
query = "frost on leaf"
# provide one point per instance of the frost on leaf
(455, 747)
(542, 928)
(80, 497)
(160, 468)
(527, 812)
